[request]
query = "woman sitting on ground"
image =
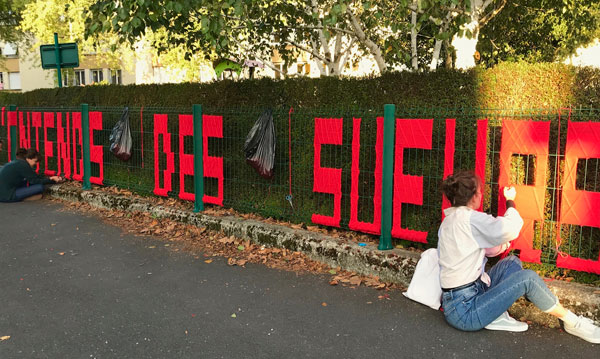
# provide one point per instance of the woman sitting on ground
(473, 299)
(15, 175)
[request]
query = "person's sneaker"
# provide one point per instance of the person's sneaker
(585, 329)
(507, 323)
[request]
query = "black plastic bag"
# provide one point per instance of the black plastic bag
(260, 145)
(120, 137)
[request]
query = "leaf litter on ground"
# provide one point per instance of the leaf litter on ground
(199, 241)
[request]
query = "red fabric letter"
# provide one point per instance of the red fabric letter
(448, 158)
(480, 154)
(48, 145)
(328, 180)
(62, 142)
(96, 151)
(525, 137)
(24, 130)
(212, 126)
(186, 161)
(354, 224)
(36, 121)
(408, 188)
(577, 206)
(77, 143)
(12, 121)
(160, 128)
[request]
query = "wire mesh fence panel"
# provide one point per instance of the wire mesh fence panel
(328, 165)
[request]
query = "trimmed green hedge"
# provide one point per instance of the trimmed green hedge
(508, 85)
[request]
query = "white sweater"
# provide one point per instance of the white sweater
(463, 237)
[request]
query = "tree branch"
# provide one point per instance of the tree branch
(492, 14)
(360, 34)
(312, 52)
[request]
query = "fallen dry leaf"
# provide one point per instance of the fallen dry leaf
(324, 304)
(208, 261)
(6, 337)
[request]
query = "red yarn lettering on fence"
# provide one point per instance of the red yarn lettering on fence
(410, 133)
(77, 142)
(36, 122)
(96, 151)
(480, 154)
(11, 121)
(186, 160)
(48, 145)
(448, 158)
(24, 130)
(580, 207)
(527, 138)
(62, 145)
(373, 227)
(212, 126)
(160, 128)
(327, 180)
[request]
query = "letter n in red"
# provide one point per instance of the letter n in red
(48, 145)
(62, 141)
(354, 224)
(580, 207)
(212, 126)
(328, 180)
(186, 161)
(160, 128)
(408, 188)
(525, 137)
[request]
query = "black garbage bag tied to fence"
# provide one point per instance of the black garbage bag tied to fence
(260, 145)
(120, 137)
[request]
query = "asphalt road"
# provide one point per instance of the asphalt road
(73, 287)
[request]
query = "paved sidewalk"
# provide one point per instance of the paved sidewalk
(393, 266)
(74, 287)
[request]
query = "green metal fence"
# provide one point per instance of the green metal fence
(290, 194)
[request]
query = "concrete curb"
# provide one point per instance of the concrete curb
(394, 265)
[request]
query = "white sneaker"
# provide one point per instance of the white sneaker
(585, 329)
(507, 323)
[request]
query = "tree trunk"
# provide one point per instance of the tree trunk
(449, 62)
(413, 39)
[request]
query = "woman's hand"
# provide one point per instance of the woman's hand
(510, 193)
(57, 179)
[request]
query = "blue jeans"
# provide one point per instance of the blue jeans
(23, 192)
(476, 306)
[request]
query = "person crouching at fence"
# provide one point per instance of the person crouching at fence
(473, 299)
(15, 174)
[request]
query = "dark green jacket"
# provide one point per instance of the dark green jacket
(12, 176)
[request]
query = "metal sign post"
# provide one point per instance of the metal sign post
(59, 56)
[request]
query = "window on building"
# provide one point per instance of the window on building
(79, 78)
(65, 79)
(97, 75)
(1, 80)
(115, 77)
(14, 80)
(303, 69)
(278, 73)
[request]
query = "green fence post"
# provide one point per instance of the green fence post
(58, 61)
(198, 159)
(389, 127)
(14, 145)
(85, 128)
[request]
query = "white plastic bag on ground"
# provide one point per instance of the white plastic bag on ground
(425, 287)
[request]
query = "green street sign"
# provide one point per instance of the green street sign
(69, 55)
